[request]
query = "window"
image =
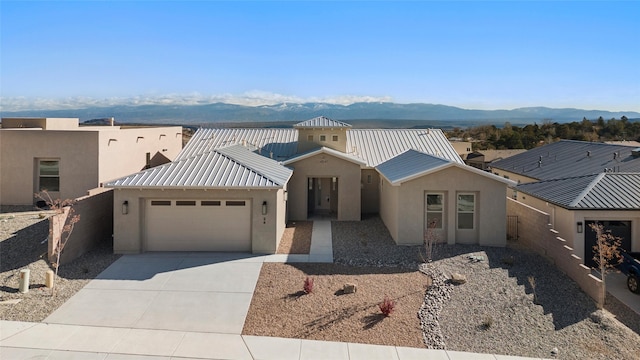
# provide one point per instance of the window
(334, 137)
(323, 137)
(309, 137)
(368, 179)
(466, 210)
(185, 203)
(435, 209)
(160, 202)
(210, 203)
(235, 203)
(49, 175)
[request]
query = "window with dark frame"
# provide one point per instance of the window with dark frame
(49, 175)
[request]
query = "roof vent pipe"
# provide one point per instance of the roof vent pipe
(112, 121)
(588, 153)
(615, 155)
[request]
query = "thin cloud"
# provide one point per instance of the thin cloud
(251, 98)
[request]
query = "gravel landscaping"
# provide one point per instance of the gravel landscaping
(23, 246)
(495, 311)
(296, 238)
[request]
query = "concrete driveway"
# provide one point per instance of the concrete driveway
(199, 292)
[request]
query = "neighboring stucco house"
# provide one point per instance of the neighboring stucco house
(567, 158)
(574, 203)
(578, 183)
(59, 155)
(235, 189)
(482, 159)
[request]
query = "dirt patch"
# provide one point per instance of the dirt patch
(296, 238)
(281, 308)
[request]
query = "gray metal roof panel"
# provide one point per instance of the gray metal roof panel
(215, 169)
(409, 163)
(321, 122)
(568, 158)
(604, 191)
(283, 143)
(376, 146)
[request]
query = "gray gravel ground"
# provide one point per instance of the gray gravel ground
(22, 247)
(495, 311)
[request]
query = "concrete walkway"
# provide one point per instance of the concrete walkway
(183, 306)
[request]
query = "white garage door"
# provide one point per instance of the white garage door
(198, 225)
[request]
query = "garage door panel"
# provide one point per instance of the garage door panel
(214, 226)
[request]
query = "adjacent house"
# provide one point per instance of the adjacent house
(574, 203)
(67, 160)
(483, 159)
(579, 183)
(235, 189)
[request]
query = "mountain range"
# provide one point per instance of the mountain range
(211, 114)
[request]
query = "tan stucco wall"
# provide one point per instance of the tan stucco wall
(88, 157)
(44, 123)
(305, 145)
(462, 147)
(490, 213)
(129, 229)
(370, 193)
(520, 179)
(123, 152)
(77, 152)
(389, 207)
(322, 166)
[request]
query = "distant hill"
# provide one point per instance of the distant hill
(212, 114)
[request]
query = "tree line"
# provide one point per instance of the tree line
(527, 137)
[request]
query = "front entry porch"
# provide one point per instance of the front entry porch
(322, 198)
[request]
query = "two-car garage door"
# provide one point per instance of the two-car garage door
(197, 225)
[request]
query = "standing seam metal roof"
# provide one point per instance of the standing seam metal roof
(376, 146)
(604, 191)
(224, 168)
(409, 163)
(283, 143)
(321, 122)
(568, 158)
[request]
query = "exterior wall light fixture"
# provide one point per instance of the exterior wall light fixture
(579, 227)
(264, 208)
(125, 207)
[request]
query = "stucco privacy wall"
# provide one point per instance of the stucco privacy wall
(535, 232)
(20, 149)
(95, 225)
(266, 230)
(325, 166)
(123, 152)
(489, 216)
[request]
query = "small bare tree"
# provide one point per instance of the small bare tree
(606, 252)
(63, 228)
(431, 238)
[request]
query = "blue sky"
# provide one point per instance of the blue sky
(473, 54)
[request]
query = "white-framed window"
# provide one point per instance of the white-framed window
(434, 209)
(466, 208)
(323, 137)
(48, 175)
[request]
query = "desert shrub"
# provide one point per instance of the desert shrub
(386, 306)
(308, 285)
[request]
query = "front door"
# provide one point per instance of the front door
(435, 220)
(322, 196)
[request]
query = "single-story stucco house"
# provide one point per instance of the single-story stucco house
(235, 189)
